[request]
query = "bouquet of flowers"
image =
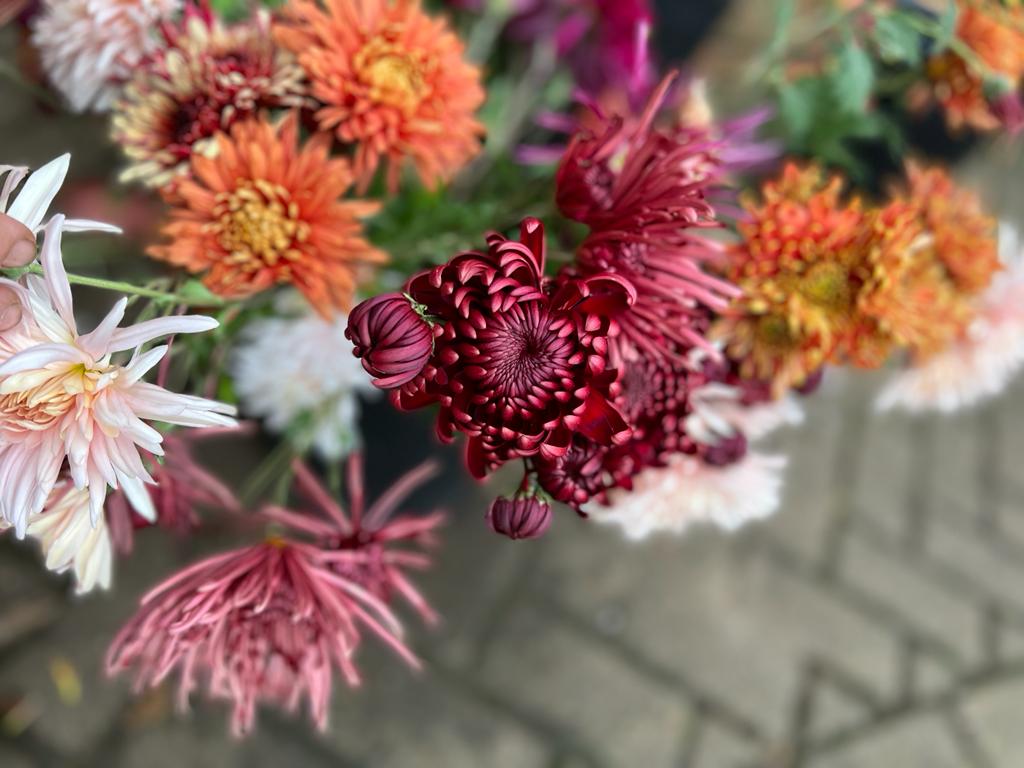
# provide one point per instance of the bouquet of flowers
(507, 213)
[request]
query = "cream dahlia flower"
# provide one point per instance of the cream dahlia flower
(89, 47)
(299, 374)
(981, 363)
(70, 540)
(64, 396)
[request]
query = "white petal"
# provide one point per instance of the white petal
(135, 491)
(137, 335)
(57, 285)
(35, 197)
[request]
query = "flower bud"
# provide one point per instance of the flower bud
(526, 517)
(391, 338)
(17, 243)
(726, 451)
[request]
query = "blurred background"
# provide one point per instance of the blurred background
(876, 621)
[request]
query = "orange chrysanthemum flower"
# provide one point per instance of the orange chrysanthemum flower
(264, 211)
(995, 34)
(390, 80)
(927, 301)
(964, 237)
(824, 280)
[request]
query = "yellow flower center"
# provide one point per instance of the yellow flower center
(392, 75)
(259, 224)
(28, 404)
(773, 332)
(827, 284)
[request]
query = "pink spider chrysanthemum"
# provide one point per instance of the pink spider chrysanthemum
(271, 623)
(64, 398)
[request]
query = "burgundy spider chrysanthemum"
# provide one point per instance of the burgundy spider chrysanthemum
(519, 362)
(272, 622)
(643, 191)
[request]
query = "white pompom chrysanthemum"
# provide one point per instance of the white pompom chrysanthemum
(299, 375)
(689, 491)
(88, 47)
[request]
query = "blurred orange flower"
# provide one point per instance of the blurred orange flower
(995, 33)
(389, 79)
(264, 211)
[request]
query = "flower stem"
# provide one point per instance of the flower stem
(157, 296)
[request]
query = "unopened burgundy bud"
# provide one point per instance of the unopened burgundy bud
(17, 243)
(519, 518)
(812, 382)
(726, 451)
(391, 338)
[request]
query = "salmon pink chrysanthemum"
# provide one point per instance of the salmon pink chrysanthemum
(391, 80)
(266, 211)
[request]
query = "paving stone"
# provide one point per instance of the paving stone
(994, 717)
(10, 758)
(400, 718)
(918, 742)
(927, 606)
(585, 690)
(732, 625)
(72, 719)
(720, 748)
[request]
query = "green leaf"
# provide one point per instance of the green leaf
(897, 40)
(797, 107)
(198, 294)
(854, 79)
(947, 24)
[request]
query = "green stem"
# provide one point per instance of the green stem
(160, 297)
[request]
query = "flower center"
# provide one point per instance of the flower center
(773, 332)
(393, 75)
(38, 407)
(521, 351)
(258, 224)
(827, 284)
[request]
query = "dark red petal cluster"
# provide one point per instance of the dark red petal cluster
(519, 518)
(392, 339)
(652, 395)
(519, 361)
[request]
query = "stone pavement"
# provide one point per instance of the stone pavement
(878, 620)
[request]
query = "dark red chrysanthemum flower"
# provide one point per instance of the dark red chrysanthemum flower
(652, 396)
(520, 362)
(642, 190)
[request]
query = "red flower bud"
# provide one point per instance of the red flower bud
(519, 518)
(392, 339)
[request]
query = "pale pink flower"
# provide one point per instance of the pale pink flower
(981, 363)
(689, 491)
(63, 397)
(90, 47)
(273, 622)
